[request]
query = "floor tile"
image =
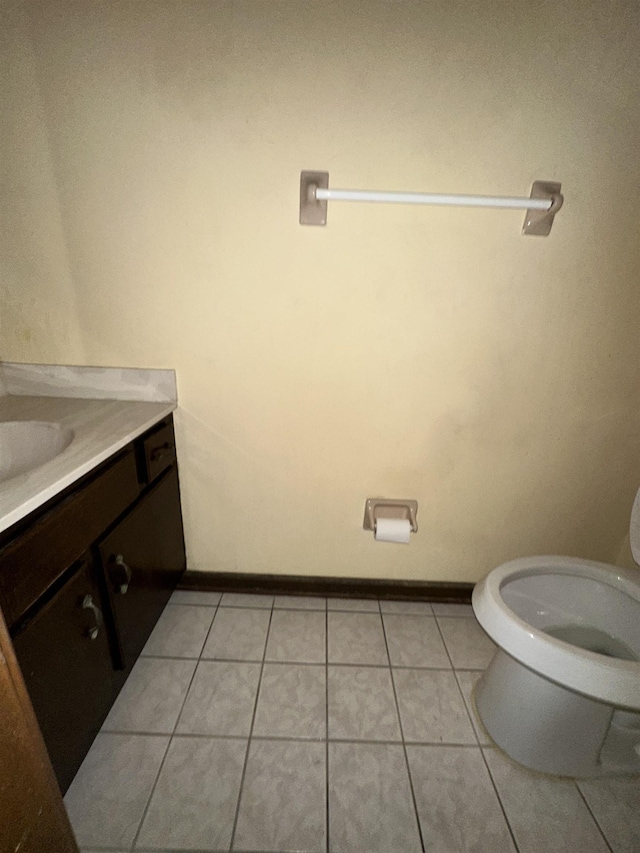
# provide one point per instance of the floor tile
(221, 699)
(152, 696)
(415, 641)
(417, 608)
(357, 638)
(300, 602)
(193, 596)
(431, 707)
(240, 599)
(362, 704)
(283, 801)
(365, 605)
(180, 631)
(237, 634)
(292, 701)
(457, 803)
(108, 796)
(615, 804)
(545, 812)
(370, 804)
(452, 609)
(467, 681)
(297, 637)
(466, 642)
(194, 802)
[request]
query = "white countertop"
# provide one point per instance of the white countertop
(101, 428)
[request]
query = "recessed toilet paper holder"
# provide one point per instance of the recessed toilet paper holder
(389, 508)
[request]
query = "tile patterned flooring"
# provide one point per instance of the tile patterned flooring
(262, 723)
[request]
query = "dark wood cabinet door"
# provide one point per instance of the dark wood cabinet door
(143, 559)
(66, 663)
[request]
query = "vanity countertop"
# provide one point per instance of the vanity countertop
(101, 427)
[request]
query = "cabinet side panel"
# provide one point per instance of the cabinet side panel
(32, 815)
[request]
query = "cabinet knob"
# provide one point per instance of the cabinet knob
(160, 451)
(87, 604)
(122, 585)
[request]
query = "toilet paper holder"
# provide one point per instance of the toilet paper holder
(389, 508)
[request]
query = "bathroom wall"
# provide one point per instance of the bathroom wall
(426, 353)
(38, 315)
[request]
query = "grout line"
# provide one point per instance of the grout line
(314, 663)
(446, 648)
(267, 661)
(130, 732)
(424, 612)
(167, 850)
(240, 606)
(469, 707)
(253, 720)
(326, 728)
(167, 657)
(500, 803)
(171, 736)
(283, 738)
(297, 739)
(453, 616)
(376, 612)
(310, 664)
(183, 850)
(404, 745)
(237, 660)
(301, 609)
(595, 819)
(399, 741)
(151, 793)
(175, 726)
(460, 692)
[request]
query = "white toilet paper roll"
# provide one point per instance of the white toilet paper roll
(393, 530)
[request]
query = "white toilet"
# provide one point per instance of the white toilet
(562, 693)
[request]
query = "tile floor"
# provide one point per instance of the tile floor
(257, 723)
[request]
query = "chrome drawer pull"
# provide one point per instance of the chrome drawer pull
(123, 587)
(160, 451)
(87, 604)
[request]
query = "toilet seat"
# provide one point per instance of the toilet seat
(518, 600)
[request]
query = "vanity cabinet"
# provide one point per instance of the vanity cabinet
(82, 584)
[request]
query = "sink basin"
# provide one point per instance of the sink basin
(25, 445)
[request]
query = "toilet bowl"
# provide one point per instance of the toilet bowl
(562, 693)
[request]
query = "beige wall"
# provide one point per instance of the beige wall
(38, 315)
(424, 353)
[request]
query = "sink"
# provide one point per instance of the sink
(25, 445)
